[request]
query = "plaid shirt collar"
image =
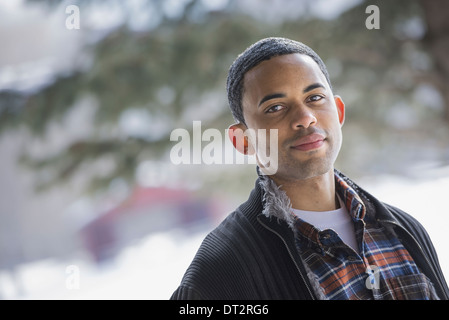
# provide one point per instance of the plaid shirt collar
(353, 203)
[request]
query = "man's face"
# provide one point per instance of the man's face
(290, 93)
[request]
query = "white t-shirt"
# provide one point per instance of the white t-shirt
(338, 220)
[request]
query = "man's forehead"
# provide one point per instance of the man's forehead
(294, 60)
(275, 70)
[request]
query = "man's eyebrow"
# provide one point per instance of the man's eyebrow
(283, 95)
(272, 96)
(313, 86)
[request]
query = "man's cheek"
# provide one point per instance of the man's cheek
(267, 150)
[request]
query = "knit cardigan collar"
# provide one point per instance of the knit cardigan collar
(276, 202)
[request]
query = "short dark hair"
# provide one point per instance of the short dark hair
(260, 51)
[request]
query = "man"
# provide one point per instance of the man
(306, 231)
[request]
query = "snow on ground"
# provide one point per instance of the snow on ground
(152, 268)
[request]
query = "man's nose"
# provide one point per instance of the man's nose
(303, 117)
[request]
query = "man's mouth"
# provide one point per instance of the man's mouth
(310, 142)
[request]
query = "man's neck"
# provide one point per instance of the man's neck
(313, 194)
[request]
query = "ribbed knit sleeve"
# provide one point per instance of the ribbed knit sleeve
(185, 293)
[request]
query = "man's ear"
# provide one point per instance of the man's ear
(340, 109)
(236, 133)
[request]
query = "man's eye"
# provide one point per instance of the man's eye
(315, 98)
(274, 108)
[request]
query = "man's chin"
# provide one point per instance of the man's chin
(303, 171)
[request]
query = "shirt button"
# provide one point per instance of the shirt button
(352, 258)
(325, 236)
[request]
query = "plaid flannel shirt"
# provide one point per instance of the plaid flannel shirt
(381, 269)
